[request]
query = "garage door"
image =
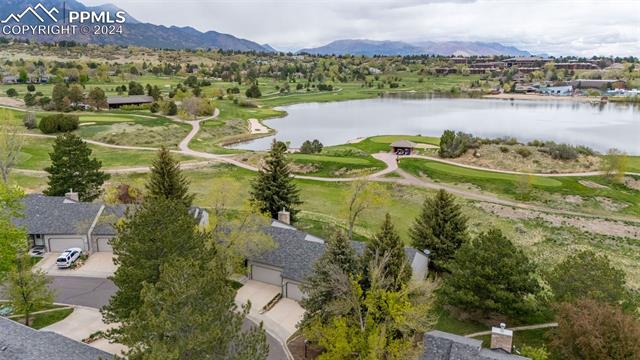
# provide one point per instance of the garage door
(104, 245)
(62, 244)
(294, 292)
(266, 275)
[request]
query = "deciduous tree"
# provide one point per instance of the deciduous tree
(97, 98)
(13, 240)
(440, 228)
(72, 168)
(589, 330)
(10, 145)
(363, 196)
(28, 288)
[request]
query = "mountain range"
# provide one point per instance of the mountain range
(173, 37)
(391, 48)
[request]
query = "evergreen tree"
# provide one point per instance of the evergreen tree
(387, 243)
(157, 232)
(190, 313)
(490, 276)
(273, 189)
(167, 181)
(339, 255)
(441, 228)
(72, 168)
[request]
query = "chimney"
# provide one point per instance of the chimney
(501, 338)
(284, 217)
(71, 197)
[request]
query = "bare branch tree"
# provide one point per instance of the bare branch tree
(10, 145)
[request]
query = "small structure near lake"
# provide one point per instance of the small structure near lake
(403, 147)
(118, 101)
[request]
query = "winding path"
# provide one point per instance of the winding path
(389, 159)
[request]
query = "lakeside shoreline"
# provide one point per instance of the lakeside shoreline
(537, 97)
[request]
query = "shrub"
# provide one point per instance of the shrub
(170, 108)
(524, 152)
(58, 123)
(154, 108)
(30, 99)
(245, 103)
(135, 107)
(536, 143)
(585, 150)
(253, 91)
(561, 151)
(31, 88)
(504, 149)
(453, 145)
(12, 92)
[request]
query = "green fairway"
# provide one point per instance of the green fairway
(35, 155)
(634, 164)
(528, 187)
(376, 144)
(335, 166)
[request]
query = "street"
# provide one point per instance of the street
(95, 293)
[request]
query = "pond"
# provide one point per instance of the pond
(600, 126)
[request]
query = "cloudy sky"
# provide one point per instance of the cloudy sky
(555, 27)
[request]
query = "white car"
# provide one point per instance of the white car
(68, 257)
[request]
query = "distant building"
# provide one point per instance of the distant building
(374, 71)
(599, 84)
(119, 101)
(525, 61)
(576, 66)
(9, 79)
(557, 90)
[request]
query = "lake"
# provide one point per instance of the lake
(600, 126)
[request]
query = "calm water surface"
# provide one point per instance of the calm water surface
(599, 126)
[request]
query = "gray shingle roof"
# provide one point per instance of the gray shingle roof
(18, 342)
(51, 215)
(134, 99)
(440, 345)
(403, 144)
(110, 215)
(295, 254)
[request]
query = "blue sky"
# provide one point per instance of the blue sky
(556, 27)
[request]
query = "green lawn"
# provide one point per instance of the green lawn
(528, 187)
(634, 164)
(42, 320)
(381, 143)
(35, 155)
(337, 166)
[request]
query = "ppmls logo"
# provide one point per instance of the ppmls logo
(70, 23)
(34, 11)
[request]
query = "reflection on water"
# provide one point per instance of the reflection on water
(600, 126)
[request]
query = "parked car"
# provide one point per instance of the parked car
(68, 257)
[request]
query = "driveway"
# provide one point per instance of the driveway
(281, 320)
(97, 265)
(96, 292)
(81, 324)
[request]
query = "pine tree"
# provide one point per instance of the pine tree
(490, 276)
(157, 232)
(273, 188)
(340, 256)
(167, 181)
(72, 168)
(190, 313)
(387, 243)
(441, 228)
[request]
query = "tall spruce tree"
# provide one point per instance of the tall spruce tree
(340, 256)
(166, 179)
(160, 231)
(441, 228)
(72, 168)
(387, 242)
(273, 189)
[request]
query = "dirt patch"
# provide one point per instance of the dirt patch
(573, 199)
(632, 183)
(592, 225)
(592, 185)
(13, 102)
(303, 168)
(510, 157)
(610, 205)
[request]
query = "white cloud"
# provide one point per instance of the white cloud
(580, 27)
